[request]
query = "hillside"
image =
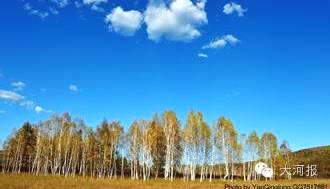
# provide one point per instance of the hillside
(319, 156)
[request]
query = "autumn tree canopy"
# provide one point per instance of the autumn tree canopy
(159, 147)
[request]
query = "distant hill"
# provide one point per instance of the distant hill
(319, 156)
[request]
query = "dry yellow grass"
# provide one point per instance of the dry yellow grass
(24, 181)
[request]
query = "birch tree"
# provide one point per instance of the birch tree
(64, 146)
(205, 148)
(191, 136)
(243, 141)
(227, 137)
(156, 139)
(145, 150)
(214, 151)
(269, 149)
(285, 159)
(196, 135)
(134, 149)
(20, 149)
(171, 128)
(252, 145)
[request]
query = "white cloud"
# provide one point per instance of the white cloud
(124, 22)
(27, 103)
(232, 7)
(11, 96)
(221, 42)
(16, 98)
(95, 4)
(46, 10)
(77, 4)
(61, 3)
(53, 11)
(231, 39)
(39, 109)
(42, 15)
(217, 43)
(35, 12)
(27, 6)
(90, 2)
(178, 21)
(20, 100)
(18, 85)
(73, 88)
(202, 55)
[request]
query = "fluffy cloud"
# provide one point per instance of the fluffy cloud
(230, 8)
(73, 88)
(202, 55)
(221, 42)
(95, 4)
(178, 21)
(38, 109)
(10, 96)
(175, 20)
(18, 85)
(124, 22)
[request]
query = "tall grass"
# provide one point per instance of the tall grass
(25, 181)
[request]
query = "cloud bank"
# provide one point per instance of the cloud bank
(174, 20)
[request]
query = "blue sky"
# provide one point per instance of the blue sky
(264, 64)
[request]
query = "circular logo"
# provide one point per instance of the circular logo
(267, 172)
(259, 167)
(263, 169)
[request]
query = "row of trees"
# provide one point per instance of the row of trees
(156, 148)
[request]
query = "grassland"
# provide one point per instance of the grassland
(24, 181)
